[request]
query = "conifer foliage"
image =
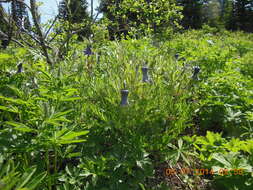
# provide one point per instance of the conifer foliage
(74, 11)
(20, 14)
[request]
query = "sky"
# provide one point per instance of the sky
(49, 8)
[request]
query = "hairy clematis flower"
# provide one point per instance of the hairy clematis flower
(88, 51)
(20, 68)
(124, 96)
(145, 77)
(176, 56)
(196, 70)
(5, 43)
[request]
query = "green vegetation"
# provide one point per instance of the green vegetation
(64, 128)
(128, 101)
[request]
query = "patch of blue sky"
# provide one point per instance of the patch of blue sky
(49, 8)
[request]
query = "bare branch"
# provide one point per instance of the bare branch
(5, 36)
(3, 15)
(94, 20)
(55, 35)
(51, 26)
(39, 31)
(91, 9)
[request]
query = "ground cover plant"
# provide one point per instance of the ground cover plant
(67, 127)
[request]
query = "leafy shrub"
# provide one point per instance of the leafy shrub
(230, 160)
(227, 99)
(246, 64)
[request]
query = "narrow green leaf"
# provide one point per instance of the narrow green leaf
(18, 92)
(26, 177)
(70, 99)
(221, 159)
(142, 186)
(9, 109)
(46, 74)
(70, 141)
(13, 100)
(59, 114)
(72, 135)
(36, 181)
(19, 126)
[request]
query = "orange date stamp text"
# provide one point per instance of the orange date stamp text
(203, 171)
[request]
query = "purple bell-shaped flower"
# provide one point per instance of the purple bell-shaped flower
(124, 96)
(176, 56)
(20, 68)
(145, 77)
(88, 51)
(196, 71)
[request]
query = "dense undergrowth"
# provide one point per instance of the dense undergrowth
(63, 127)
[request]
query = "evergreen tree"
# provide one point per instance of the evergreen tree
(74, 11)
(192, 12)
(20, 14)
(3, 28)
(242, 15)
(214, 15)
(3, 25)
(228, 14)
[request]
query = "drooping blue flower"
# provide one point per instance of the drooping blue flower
(124, 96)
(88, 50)
(196, 71)
(176, 56)
(20, 68)
(145, 77)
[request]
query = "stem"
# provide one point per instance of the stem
(55, 156)
(26, 160)
(48, 170)
(34, 12)
(91, 7)
(55, 163)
